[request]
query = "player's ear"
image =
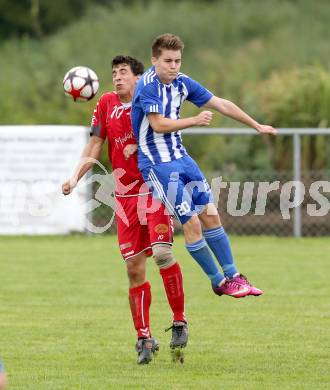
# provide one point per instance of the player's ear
(154, 60)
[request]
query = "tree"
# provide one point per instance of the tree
(35, 18)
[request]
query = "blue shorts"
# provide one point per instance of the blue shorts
(180, 185)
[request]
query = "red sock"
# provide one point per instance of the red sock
(173, 283)
(139, 301)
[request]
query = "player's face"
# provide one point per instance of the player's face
(167, 65)
(124, 80)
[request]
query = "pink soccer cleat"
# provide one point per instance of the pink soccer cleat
(233, 288)
(241, 279)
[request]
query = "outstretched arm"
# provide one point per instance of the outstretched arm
(228, 108)
(91, 152)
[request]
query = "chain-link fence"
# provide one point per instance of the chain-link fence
(254, 202)
(261, 202)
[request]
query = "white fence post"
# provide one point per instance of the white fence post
(297, 178)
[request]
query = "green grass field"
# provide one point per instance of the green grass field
(65, 321)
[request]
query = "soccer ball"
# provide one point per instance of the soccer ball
(81, 83)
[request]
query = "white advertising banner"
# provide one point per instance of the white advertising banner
(34, 162)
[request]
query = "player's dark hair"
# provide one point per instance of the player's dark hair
(136, 66)
(166, 42)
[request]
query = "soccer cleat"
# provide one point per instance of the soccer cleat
(244, 282)
(179, 334)
(179, 340)
(233, 288)
(145, 349)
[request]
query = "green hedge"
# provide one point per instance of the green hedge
(271, 57)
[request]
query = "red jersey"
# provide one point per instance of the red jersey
(112, 120)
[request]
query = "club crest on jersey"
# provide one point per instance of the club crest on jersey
(161, 228)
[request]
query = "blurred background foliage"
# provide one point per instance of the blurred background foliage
(271, 57)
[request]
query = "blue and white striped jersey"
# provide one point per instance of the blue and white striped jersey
(153, 96)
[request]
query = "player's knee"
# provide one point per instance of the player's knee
(135, 271)
(134, 274)
(193, 224)
(163, 255)
(210, 217)
(192, 229)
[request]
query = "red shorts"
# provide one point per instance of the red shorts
(138, 229)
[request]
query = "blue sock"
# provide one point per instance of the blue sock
(201, 253)
(218, 241)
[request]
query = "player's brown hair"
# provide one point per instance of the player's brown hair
(166, 42)
(136, 66)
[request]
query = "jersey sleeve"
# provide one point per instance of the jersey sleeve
(197, 94)
(98, 120)
(150, 100)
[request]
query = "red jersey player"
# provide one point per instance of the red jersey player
(140, 234)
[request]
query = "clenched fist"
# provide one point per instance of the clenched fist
(204, 118)
(129, 150)
(68, 187)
